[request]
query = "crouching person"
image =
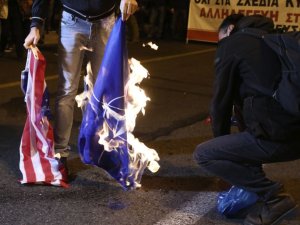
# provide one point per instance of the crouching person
(247, 73)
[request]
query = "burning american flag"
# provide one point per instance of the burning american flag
(106, 138)
(37, 162)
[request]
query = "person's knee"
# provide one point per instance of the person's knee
(201, 155)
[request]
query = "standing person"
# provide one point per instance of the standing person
(16, 26)
(179, 11)
(3, 22)
(157, 18)
(246, 68)
(85, 28)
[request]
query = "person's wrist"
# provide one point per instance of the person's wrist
(37, 23)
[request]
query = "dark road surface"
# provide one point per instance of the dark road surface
(179, 193)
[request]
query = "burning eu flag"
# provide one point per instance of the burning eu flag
(105, 138)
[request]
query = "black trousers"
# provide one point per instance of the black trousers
(238, 158)
(16, 28)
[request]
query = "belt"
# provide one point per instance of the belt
(88, 18)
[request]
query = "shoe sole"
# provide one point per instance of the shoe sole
(278, 220)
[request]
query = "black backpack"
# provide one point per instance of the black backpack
(287, 47)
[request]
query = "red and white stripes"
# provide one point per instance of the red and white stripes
(37, 162)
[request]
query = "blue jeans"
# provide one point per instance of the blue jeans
(78, 39)
(238, 158)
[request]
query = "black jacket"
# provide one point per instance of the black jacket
(86, 7)
(247, 71)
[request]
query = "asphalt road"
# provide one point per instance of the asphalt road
(179, 193)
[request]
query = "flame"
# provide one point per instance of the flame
(140, 156)
(108, 138)
(82, 99)
(135, 97)
(152, 45)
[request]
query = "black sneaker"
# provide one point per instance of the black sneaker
(272, 211)
(63, 161)
(63, 166)
(69, 176)
(242, 213)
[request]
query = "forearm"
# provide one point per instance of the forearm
(221, 120)
(223, 97)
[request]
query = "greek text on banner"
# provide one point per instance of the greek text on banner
(206, 15)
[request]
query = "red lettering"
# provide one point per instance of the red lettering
(297, 17)
(274, 15)
(225, 13)
(209, 13)
(202, 12)
(265, 13)
(217, 14)
(289, 18)
(257, 12)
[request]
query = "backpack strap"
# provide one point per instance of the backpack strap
(259, 34)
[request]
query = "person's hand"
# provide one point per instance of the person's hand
(128, 7)
(32, 38)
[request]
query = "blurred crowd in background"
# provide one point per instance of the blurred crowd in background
(155, 19)
(14, 26)
(159, 19)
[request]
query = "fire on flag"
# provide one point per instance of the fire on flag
(106, 138)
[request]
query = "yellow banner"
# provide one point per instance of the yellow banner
(206, 15)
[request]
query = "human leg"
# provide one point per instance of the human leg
(4, 34)
(78, 37)
(152, 21)
(271, 211)
(72, 38)
(238, 159)
(133, 28)
(161, 21)
(17, 28)
(98, 38)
